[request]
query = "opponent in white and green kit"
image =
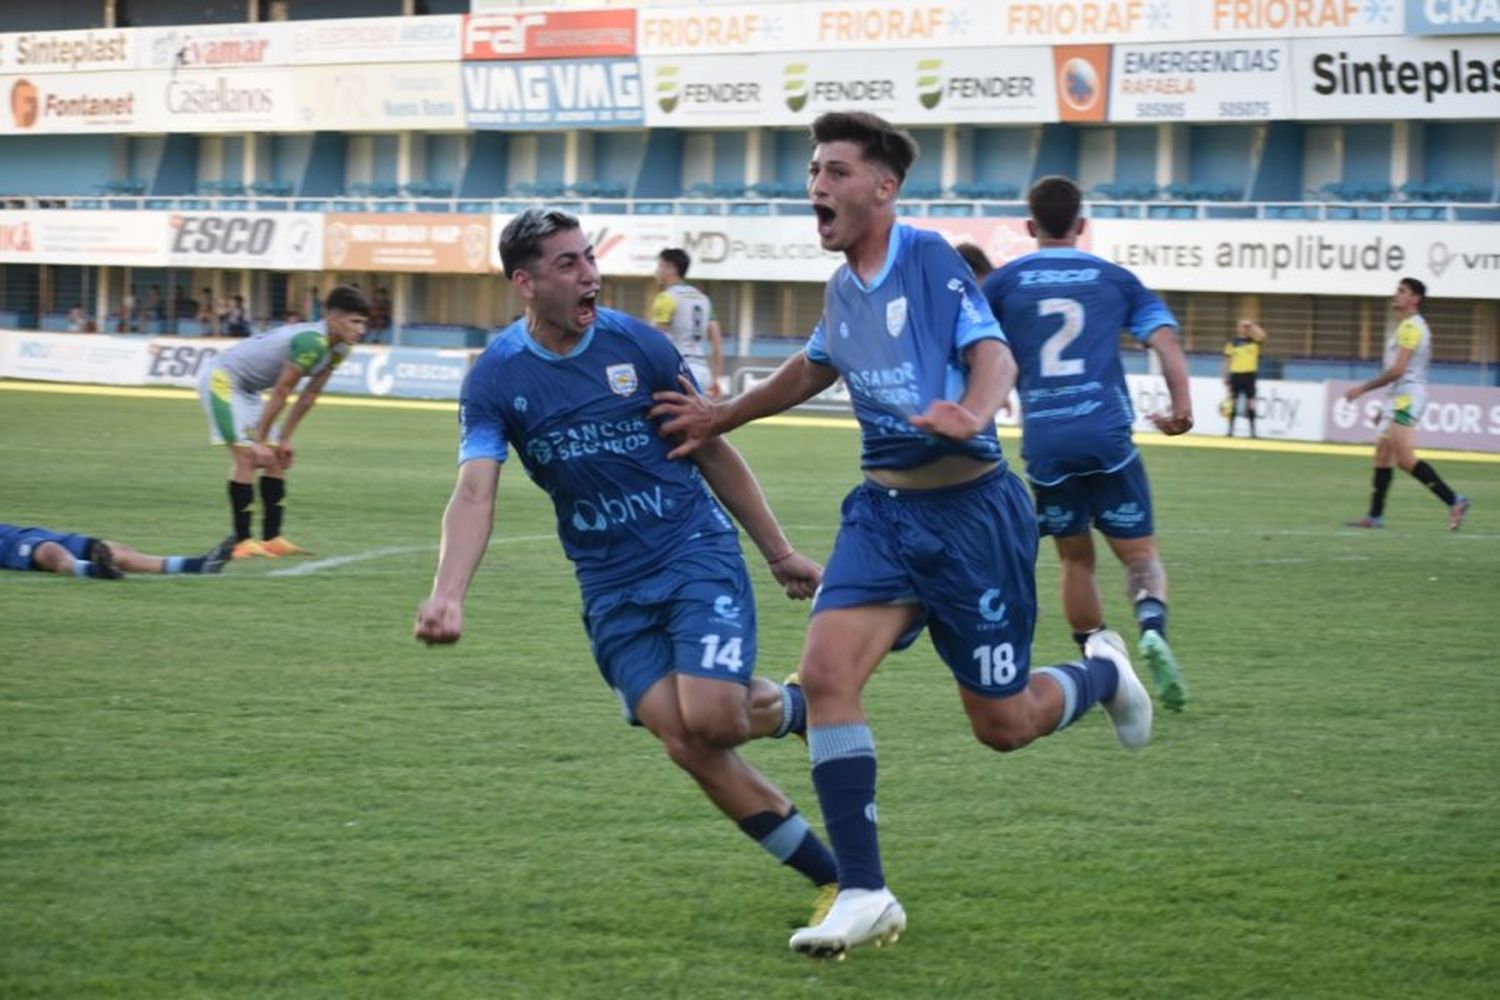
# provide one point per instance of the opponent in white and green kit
(1404, 374)
(238, 415)
(686, 316)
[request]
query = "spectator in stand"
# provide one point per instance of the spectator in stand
(315, 305)
(127, 312)
(233, 317)
(208, 317)
(380, 315)
(77, 321)
(183, 306)
(153, 310)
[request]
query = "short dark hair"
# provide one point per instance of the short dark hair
(678, 258)
(977, 259)
(347, 299)
(1417, 287)
(878, 140)
(521, 239)
(1055, 202)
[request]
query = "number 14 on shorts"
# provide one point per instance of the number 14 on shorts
(718, 652)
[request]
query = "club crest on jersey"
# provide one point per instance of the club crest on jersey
(622, 379)
(895, 316)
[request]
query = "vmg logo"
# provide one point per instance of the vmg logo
(599, 512)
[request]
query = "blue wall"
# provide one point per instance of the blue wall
(325, 169)
(54, 164)
(1057, 154)
(661, 167)
(444, 158)
(1003, 156)
(54, 15)
(289, 156)
(551, 152)
(928, 170)
(163, 12)
(617, 156)
(729, 157)
(1279, 176)
(1220, 154)
(1367, 154)
(1460, 152)
(1135, 154)
(489, 162)
(793, 152)
(177, 171)
(385, 154)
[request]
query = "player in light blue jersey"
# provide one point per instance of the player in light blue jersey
(667, 600)
(1063, 311)
(940, 534)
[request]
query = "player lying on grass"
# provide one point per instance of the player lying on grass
(46, 551)
(667, 601)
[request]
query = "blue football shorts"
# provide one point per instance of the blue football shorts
(964, 555)
(17, 549)
(696, 616)
(1117, 503)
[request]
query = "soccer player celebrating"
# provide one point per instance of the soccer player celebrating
(1407, 353)
(71, 554)
(231, 390)
(939, 534)
(1063, 310)
(667, 601)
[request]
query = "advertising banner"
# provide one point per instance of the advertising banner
(218, 100)
(549, 34)
(1452, 17)
(80, 102)
(431, 38)
(213, 46)
(1201, 81)
(1307, 257)
(723, 29)
(82, 237)
(1456, 416)
(1082, 82)
(289, 241)
(930, 86)
(73, 357)
(428, 242)
(36, 52)
(405, 372)
(562, 94)
(1288, 411)
(179, 361)
(767, 248)
(1386, 78)
(365, 97)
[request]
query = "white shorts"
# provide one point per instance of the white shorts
(701, 373)
(1402, 408)
(233, 413)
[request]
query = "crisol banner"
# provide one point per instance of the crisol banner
(1456, 416)
(1459, 260)
(427, 242)
(1452, 17)
(1385, 78)
(291, 241)
(569, 93)
(406, 372)
(1201, 82)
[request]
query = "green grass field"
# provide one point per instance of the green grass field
(258, 785)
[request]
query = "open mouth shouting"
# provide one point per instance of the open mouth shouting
(588, 309)
(826, 216)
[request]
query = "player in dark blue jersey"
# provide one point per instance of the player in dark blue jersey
(667, 600)
(1063, 311)
(940, 534)
(72, 554)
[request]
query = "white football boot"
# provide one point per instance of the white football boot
(1129, 710)
(858, 916)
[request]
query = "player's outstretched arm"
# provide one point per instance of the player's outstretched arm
(730, 477)
(467, 522)
(992, 375)
(1391, 374)
(697, 419)
(1174, 369)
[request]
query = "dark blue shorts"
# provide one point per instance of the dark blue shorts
(1117, 503)
(966, 556)
(17, 547)
(696, 617)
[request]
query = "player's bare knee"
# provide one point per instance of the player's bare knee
(1002, 736)
(52, 557)
(723, 728)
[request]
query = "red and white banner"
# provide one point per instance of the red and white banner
(549, 34)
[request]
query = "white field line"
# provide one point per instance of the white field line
(334, 562)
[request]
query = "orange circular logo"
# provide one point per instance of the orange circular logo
(25, 103)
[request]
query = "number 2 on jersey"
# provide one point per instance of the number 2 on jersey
(1071, 311)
